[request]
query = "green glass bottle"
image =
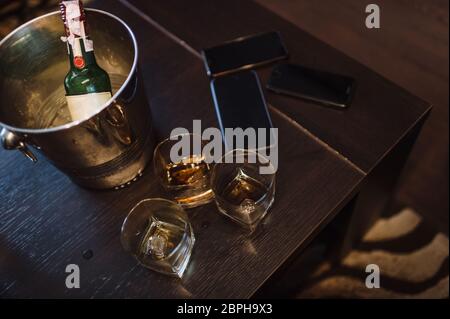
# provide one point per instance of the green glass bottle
(87, 85)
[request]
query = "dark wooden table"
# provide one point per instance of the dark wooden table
(328, 159)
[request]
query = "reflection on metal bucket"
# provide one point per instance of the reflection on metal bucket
(108, 150)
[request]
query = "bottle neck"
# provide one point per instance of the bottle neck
(81, 54)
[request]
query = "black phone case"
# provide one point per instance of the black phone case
(247, 62)
(230, 90)
(274, 85)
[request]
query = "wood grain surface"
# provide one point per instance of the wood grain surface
(380, 114)
(48, 222)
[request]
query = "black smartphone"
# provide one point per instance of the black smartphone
(318, 86)
(244, 53)
(240, 103)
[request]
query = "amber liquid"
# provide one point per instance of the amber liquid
(191, 178)
(189, 172)
(242, 188)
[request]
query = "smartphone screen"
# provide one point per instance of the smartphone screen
(240, 103)
(314, 85)
(244, 53)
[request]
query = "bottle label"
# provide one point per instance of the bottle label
(81, 107)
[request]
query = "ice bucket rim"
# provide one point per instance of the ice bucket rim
(114, 97)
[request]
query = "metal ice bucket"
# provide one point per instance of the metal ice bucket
(109, 149)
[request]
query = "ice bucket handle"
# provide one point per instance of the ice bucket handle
(12, 141)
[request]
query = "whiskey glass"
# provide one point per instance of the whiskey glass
(187, 180)
(244, 192)
(158, 234)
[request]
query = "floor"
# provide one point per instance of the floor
(398, 245)
(409, 252)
